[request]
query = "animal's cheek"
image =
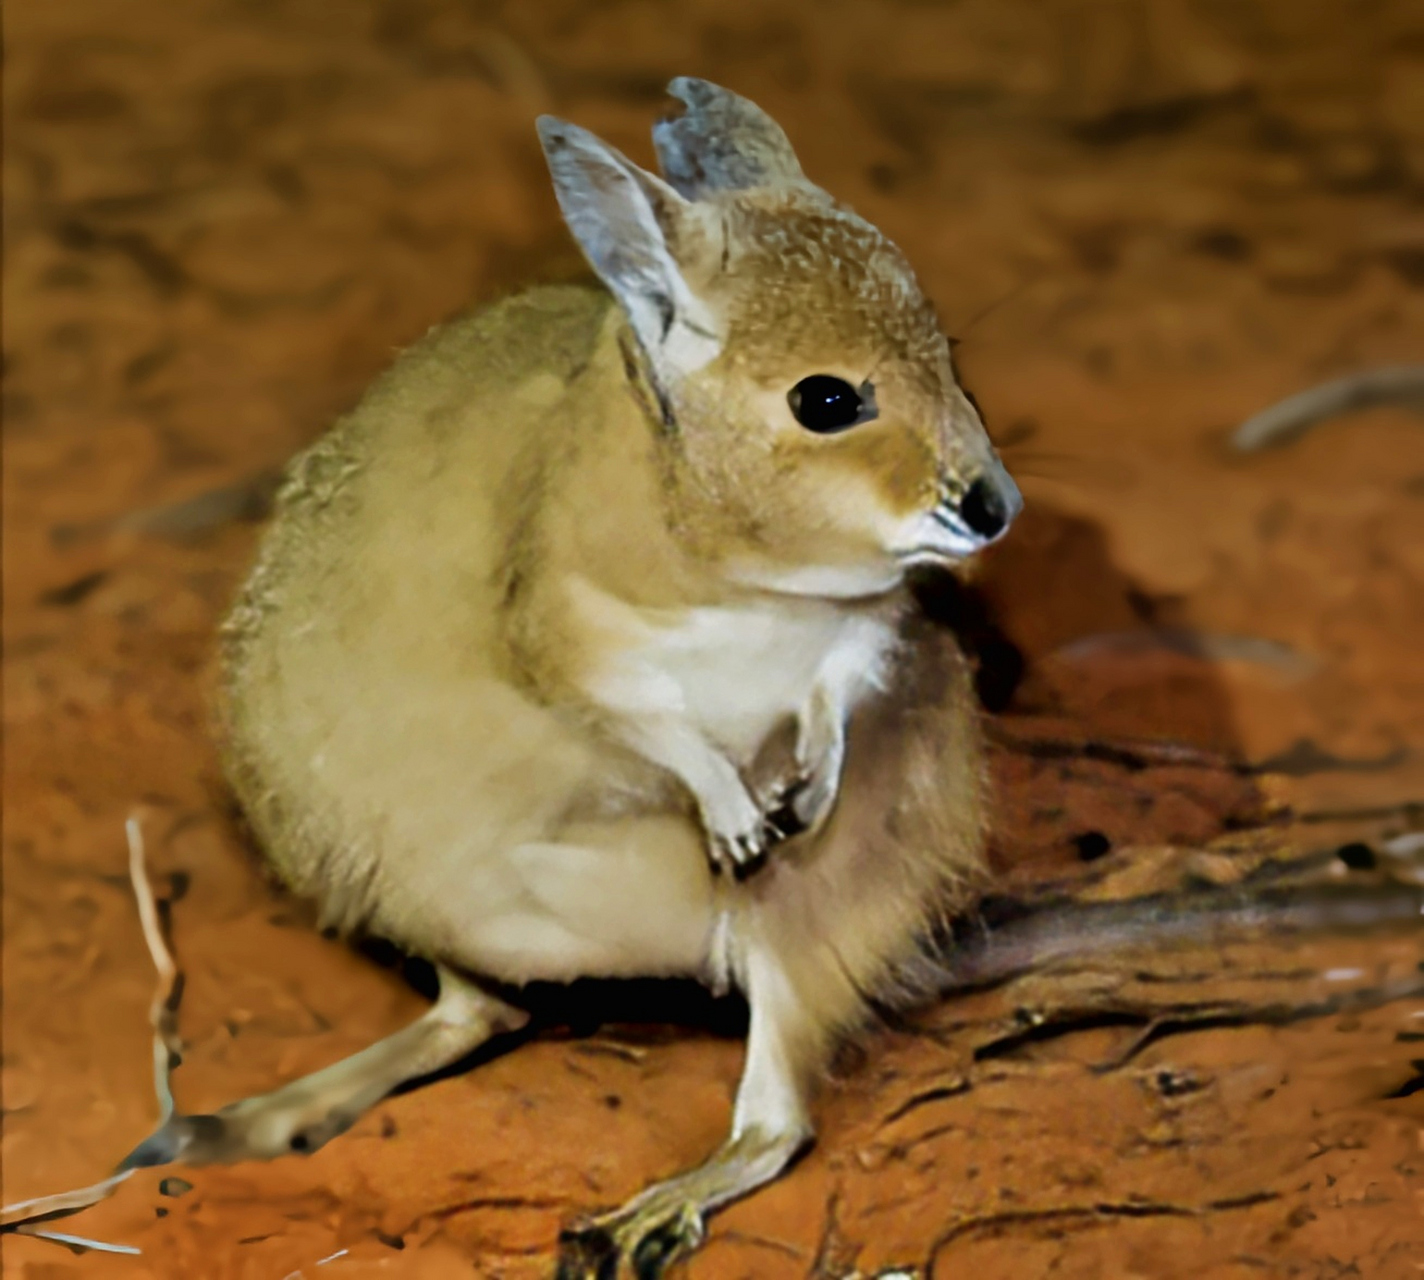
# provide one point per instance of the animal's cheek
(898, 463)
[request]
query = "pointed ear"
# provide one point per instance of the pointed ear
(722, 142)
(623, 219)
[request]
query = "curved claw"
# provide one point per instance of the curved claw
(587, 1254)
(789, 810)
(745, 870)
(638, 1245)
(737, 853)
(784, 810)
(744, 855)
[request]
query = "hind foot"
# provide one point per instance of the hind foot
(304, 1115)
(636, 1243)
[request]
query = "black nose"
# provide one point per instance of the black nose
(983, 509)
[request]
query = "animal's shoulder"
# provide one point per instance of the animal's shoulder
(549, 329)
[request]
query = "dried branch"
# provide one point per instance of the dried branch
(1288, 419)
(163, 1010)
(1070, 930)
(26, 1216)
(16, 1217)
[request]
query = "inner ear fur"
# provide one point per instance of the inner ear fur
(721, 142)
(641, 237)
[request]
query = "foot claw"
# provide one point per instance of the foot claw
(784, 814)
(745, 870)
(587, 1253)
(735, 853)
(654, 1251)
(788, 811)
(637, 1244)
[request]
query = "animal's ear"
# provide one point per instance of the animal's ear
(629, 224)
(721, 142)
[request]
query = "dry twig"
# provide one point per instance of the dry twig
(1292, 417)
(27, 1216)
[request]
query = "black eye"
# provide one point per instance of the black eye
(825, 404)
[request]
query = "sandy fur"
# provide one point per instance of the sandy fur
(556, 637)
(403, 721)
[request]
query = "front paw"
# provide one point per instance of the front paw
(820, 756)
(811, 799)
(802, 804)
(739, 835)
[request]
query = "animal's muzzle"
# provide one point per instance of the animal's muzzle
(989, 504)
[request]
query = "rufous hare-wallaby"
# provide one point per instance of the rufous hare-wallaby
(582, 646)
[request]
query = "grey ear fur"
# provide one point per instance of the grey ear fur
(613, 209)
(722, 142)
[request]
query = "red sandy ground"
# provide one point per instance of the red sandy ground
(1146, 220)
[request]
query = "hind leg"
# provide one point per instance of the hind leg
(307, 1113)
(770, 1124)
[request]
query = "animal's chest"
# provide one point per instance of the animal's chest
(736, 672)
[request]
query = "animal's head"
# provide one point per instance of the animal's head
(812, 431)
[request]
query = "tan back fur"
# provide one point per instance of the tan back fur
(430, 672)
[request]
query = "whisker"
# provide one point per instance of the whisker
(988, 309)
(1067, 468)
(1017, 433)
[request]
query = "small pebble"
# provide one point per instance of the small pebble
(1091, 845)
(1357, 856)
